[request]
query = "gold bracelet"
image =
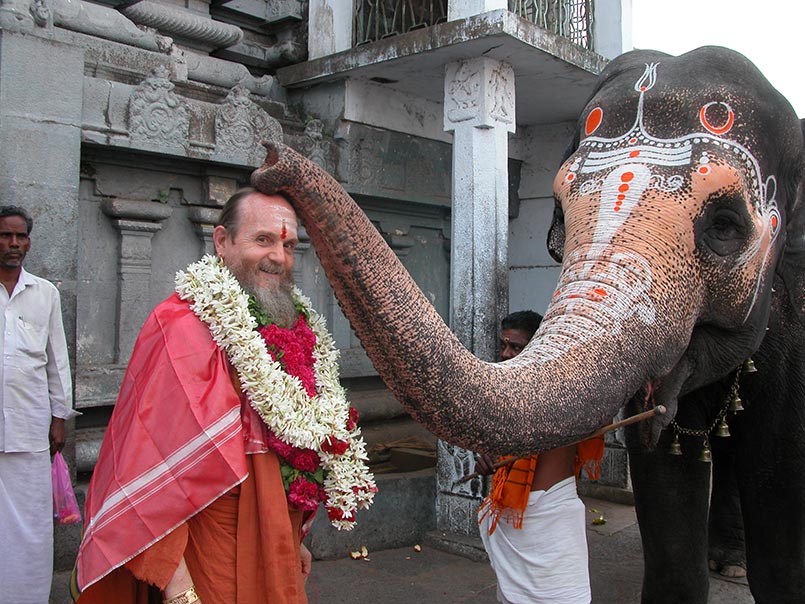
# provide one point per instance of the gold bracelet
(186, 597)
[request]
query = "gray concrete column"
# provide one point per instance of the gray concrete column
(137, 221)
(479, 109)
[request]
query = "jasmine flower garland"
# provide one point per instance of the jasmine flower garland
(321, 423)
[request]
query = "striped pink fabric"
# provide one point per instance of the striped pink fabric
(173, 444)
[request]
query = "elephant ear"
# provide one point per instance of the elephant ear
(792, 265)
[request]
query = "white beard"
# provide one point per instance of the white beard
(276, 301)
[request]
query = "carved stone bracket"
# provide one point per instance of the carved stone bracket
(103, 22)
(137, 221)
(15, 15)
(204, 221)
(195, 30)
(157, 115)
(479, 92)
(241, 125)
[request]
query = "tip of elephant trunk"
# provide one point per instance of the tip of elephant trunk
(272, 154)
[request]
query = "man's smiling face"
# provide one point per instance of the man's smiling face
(260, 253)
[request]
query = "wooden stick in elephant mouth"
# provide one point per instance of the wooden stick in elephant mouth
(658, 410)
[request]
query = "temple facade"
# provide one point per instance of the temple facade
(126, 125)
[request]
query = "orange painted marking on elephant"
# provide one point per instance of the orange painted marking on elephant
(774, 222)
(634, 153)
(718, 130)
(623, 188)
(627, 176)
(594, 295)
(705, 170)
(593, 121)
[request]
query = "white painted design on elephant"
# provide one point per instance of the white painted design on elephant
(602, 160)
(667, 185)
(637, 147)
(598, 292)
(622, 190)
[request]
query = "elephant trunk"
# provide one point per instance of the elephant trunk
(571, 379)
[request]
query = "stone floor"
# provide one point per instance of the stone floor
(432, 576)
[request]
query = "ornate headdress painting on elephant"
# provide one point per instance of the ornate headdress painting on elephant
(681, 237)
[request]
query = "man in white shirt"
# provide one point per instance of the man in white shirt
(35, 401)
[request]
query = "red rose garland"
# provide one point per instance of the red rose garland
(301, 470)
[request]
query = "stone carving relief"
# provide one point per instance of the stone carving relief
(464, 92)
(480, 91)
(501, 90)
(314, 145)
(454, 464)
(40, 12)
(157, 114)
(241, 125)
(199, 30)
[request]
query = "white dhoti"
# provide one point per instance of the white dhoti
(545, 562)
(26, 528)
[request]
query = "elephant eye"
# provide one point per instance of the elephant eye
(725, 226)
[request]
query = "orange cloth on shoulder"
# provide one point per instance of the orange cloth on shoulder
(511, 484)
(242, 549)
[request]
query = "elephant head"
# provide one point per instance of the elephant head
(670, 218)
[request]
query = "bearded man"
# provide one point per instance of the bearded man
(229, 430)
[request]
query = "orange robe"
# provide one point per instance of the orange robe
(178, 475)
(240, 550)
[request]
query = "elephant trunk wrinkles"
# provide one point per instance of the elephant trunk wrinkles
(534, 402)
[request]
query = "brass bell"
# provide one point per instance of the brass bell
(736, 404)
(722, 429)
(706, 456)
(749, 366)
(676, 448)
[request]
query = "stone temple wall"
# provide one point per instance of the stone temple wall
(123, 132)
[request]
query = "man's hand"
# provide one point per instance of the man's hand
(57, 435)
(307, 560)
(484, 465)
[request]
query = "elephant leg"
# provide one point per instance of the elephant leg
(769, 467)
(727, 555)
(671, 501)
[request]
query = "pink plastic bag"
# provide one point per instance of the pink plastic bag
(65, 506)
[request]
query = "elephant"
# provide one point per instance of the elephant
(680, 228)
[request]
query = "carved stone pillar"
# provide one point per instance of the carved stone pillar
(137, 222)
(204, 221)
(479, 109)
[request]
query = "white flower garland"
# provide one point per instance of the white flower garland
(217, 298)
